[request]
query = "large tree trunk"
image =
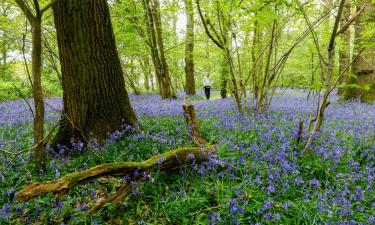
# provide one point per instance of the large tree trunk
(364, 65)
(189, 61)
(95, 101)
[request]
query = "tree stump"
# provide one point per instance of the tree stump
(192, 122)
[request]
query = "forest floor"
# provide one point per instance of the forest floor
(267, 181)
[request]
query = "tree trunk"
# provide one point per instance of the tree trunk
(166, 84)
(3, 62)
(95, 101)
(364, 65)
(189, 61)
(147, 72)
(192, 123)
(155, 42)
(36, 55)
(344, 51)
(224, 77)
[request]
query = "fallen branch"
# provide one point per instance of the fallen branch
(170, 160)
(117, 197)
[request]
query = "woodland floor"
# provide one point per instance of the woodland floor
(267, 181)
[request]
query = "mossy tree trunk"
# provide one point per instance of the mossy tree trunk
(95, 101)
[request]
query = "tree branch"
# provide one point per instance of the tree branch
(49, 5)
(26, 10)
(355, 16)
(206, 28)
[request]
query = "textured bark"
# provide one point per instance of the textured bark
(36, 54)
(189, 48)
(95, 101)
(364, 65)
(168, 161)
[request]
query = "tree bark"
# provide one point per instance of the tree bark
(36, 55)
(95, 101)
(189, 48)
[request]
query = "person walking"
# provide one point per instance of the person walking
(207, 86)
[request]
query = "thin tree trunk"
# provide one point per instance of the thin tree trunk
(224, 77)
(40, 155)
(166, 84)
(36, 57)
(146, 72)
(327, 79)
(155, 42)
(189, 48)
(95, 101)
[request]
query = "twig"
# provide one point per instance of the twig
(43, 141)
(23, 97)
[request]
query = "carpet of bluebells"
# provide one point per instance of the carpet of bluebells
(257, 176)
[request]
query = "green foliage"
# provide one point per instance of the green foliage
(9, 92)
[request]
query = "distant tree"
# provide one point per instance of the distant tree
(95, 101)
(10, 36)
(189, 48)
(156, 46)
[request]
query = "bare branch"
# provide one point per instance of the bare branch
(217, 42)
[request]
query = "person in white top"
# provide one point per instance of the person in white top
(207, 86)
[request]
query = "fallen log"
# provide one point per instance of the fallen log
(170, 160)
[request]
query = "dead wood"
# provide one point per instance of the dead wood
(117, 197)
(170, 160)
(192, 123)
